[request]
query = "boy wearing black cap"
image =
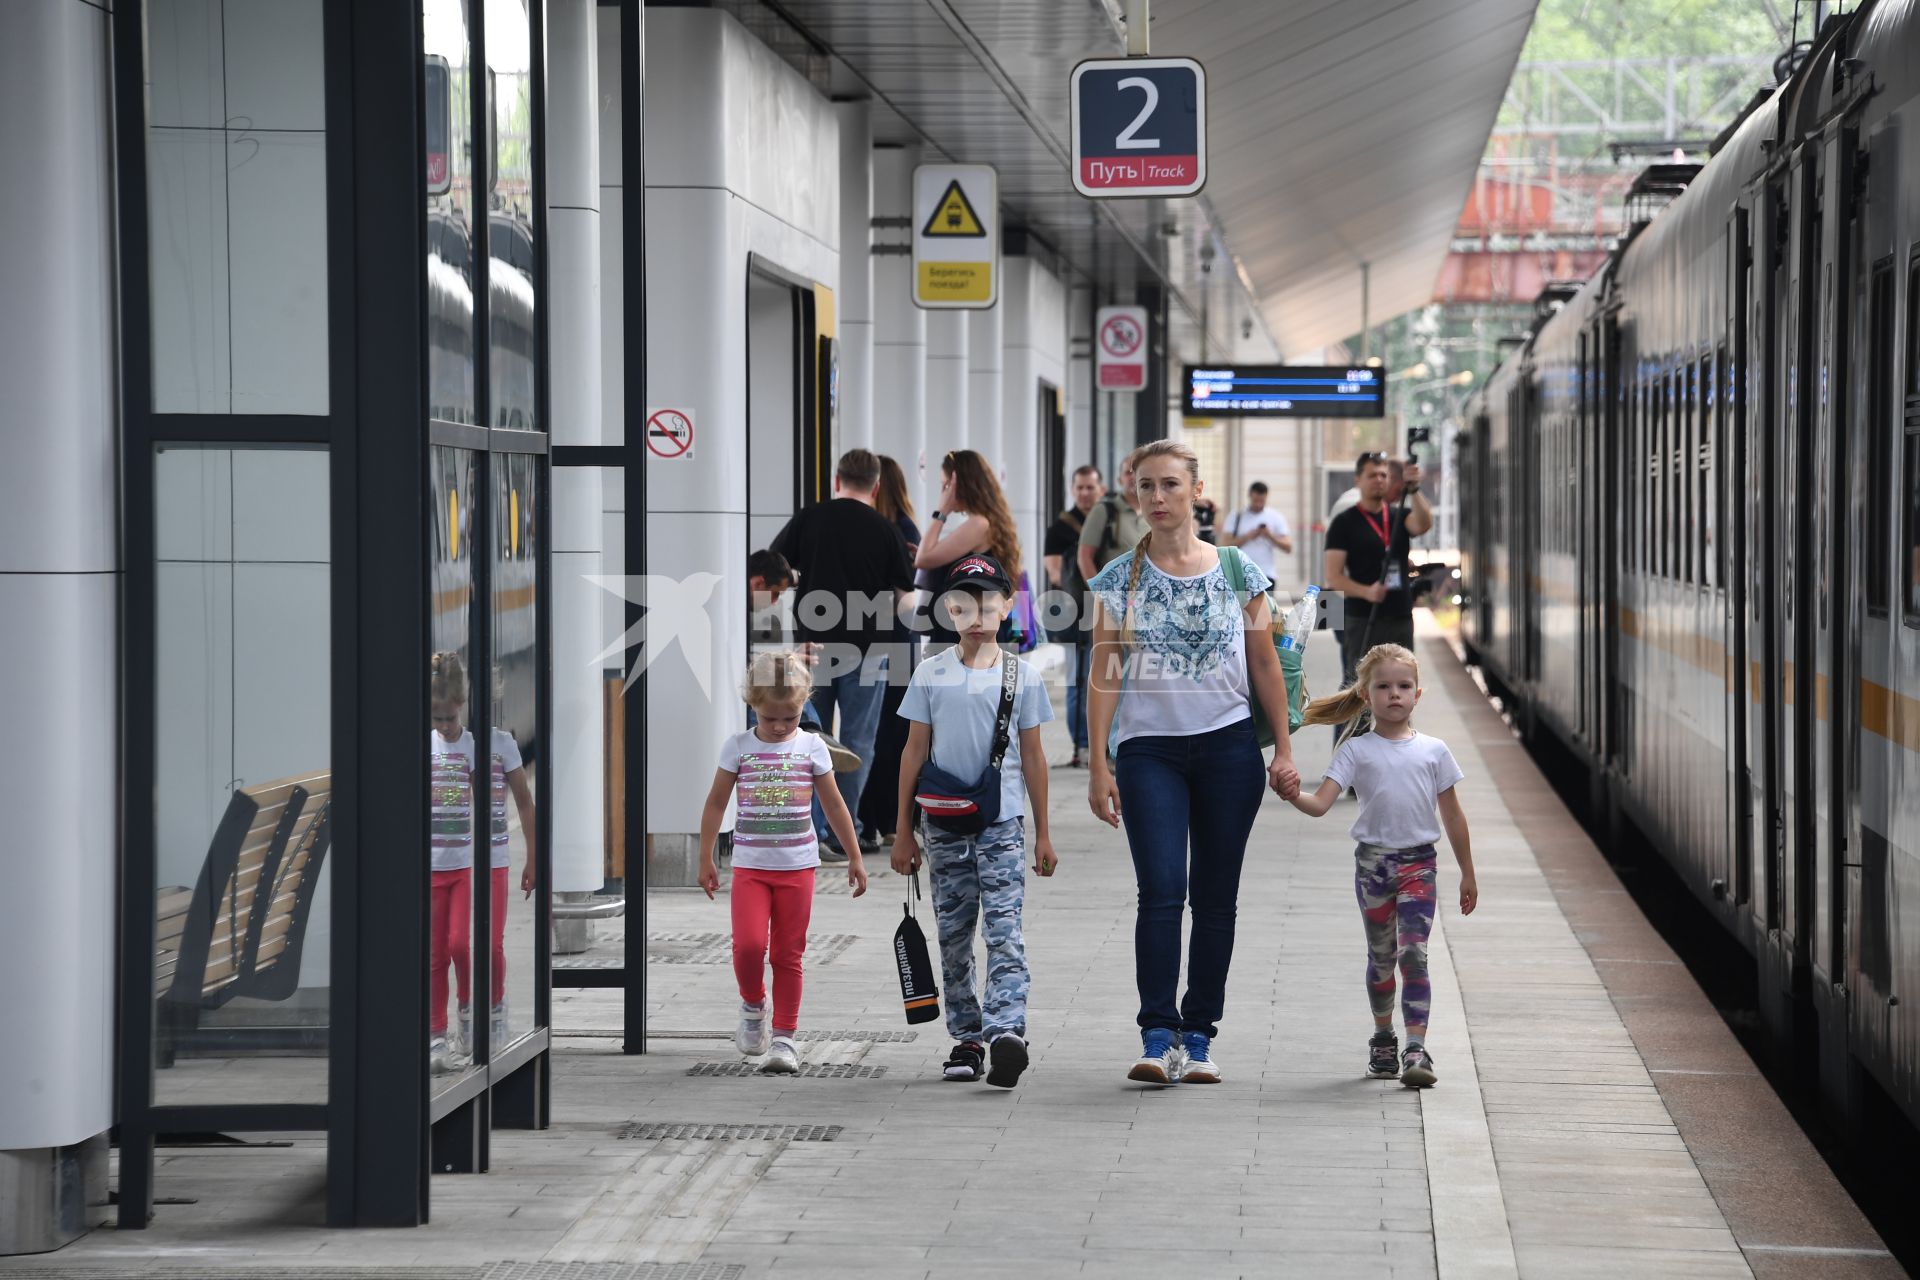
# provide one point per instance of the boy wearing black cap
(954, 703)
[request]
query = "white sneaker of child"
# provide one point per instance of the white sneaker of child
(754, 1037)
(783, 1059)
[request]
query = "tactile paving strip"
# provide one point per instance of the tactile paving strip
(656, 1130)
(808, 1071)
(868, 1037)
(717, 948)
(832, 877)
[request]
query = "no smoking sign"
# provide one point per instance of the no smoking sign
(1121, 348)
(670, 434)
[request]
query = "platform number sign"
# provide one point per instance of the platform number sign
(1139, 127)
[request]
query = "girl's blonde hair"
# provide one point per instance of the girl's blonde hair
(1146, 453)
(1343, 706)
(977, 492)
(449, 682)
(776, 678)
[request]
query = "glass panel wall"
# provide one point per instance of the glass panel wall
(450, 201)
(237, 207)
(510, 230)
(243, 776)
(516, 664)
(451, 743)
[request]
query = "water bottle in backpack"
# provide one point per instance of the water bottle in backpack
(1301, 620)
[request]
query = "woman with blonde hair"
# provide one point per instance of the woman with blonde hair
(971, 517)
(1169, 697)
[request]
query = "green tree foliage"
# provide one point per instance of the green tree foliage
(1583, 30)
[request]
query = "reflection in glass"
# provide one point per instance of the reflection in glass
(516, 663)
(451, 778)
(242, 769)
(450, 202)
(510, 240)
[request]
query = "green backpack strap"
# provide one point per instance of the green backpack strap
(1235, 569)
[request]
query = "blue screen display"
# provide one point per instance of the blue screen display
(1285, 391)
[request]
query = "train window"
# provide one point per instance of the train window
(1911, 477)
(1702, 472)
(1880, 435)
(1722, 490)
(1663, 466)
(1683, 450)
(1913, 326)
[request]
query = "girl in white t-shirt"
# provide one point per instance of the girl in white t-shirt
(452, 783)
(1402, 778)
(771, 769)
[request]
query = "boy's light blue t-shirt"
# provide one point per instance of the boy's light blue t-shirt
(960, 704)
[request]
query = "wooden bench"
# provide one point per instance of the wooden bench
(240, 930)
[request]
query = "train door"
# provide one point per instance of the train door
(1774, 377)
(1583, 548)
(1610, 512)
(1481, 517)
(1833, 620)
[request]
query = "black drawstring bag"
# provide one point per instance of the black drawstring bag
(917, 991)
(968, 808)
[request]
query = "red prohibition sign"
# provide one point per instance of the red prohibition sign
(1120, 336)
(669, 433)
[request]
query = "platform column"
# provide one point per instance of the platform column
(855, 296)
(899, 328)
(947, 415)
(59, 567)
(984, 364)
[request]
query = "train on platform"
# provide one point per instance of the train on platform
(1691, 547)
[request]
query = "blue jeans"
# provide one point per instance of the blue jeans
(1079, 663)
(1188, 803)
(858, 695)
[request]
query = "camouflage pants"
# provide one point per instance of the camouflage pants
(981, 878)
(1395, 888)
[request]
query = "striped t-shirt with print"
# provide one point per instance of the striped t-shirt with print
(773, 825)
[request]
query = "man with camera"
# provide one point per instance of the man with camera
(1368, 546)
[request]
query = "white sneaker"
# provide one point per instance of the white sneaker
(754, 1036)
(439, 1056)
(782, 1058)
(1198, 1065)
(1159, 1061)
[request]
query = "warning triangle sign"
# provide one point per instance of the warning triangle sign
(953, 216)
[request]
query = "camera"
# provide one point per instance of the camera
(1418, 435)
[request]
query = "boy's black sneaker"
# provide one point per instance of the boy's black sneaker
(968, 1061)
(1383, 1056)
(1009, 1054)
(1416, 1068)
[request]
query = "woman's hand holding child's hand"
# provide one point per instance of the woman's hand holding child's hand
(1469, 894)
(709, 876)
(1284, 778)
(906, 853)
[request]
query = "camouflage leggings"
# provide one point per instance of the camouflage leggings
(981, 878)
(1395, 888)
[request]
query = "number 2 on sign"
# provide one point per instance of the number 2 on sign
(1126, 140)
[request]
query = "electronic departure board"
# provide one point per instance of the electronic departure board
(1285, 391)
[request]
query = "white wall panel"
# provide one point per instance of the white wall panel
(57, 341)
(277, 247)
(187, 245)
(691, 702)
(193, 672)
(193, 504)
(613, 323)
(184, 76)
(57, 920)
(275, 78)
(280, 505)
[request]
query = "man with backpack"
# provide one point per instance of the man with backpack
(1063, 575)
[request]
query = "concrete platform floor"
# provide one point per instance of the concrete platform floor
(1595, 1117)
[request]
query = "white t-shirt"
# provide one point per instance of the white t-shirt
(773, 817)
(452, 790)
(1259, 550)
(1351, 498)
(1187, 672)
(1399, 781)
(960, 703)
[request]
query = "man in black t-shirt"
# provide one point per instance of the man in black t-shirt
(854, 574)
(1368, 546)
